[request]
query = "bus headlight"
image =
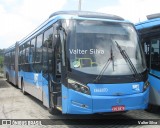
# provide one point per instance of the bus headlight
(146, 85)
(78, 87)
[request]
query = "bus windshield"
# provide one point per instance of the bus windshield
(91, 43)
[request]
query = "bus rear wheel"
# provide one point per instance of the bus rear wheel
(7, 77)
(23, 89)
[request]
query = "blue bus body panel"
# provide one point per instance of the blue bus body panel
(76, 100)
(29, 77)
(97, 102)
(154, 97)
(45, 90)
(155, 72)
(64, 99)
(116, 89)
(37, 81)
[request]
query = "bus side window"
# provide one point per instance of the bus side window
(20, 57)
(38, 56)
(147, 52)
(33, 50)
(47, 51)
(27, 51)
(155, 56)
(23, 57)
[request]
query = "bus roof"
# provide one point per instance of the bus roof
(71, 15)
(153, 21)
(87, 14)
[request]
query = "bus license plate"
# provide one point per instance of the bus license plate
(118, 108)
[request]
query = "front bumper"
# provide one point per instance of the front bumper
(79, 103)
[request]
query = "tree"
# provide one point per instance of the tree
(1, 57)
(1, 61)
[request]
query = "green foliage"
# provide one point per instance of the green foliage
(1, 60)
(2, 52)
(1, 57)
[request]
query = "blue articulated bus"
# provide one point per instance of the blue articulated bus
(11, 64)
(82, 63)
(149, 32)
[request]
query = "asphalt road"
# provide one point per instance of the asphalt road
(15, 105)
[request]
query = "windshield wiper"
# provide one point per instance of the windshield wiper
(112, 58)
(136, 75)
(106, 66)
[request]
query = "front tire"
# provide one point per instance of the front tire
(149, 108)
(54, 111)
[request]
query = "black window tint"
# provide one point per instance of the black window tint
(47, 50)
(146, 47)
(38, 55)
(39, 48)
(27, 47)
(23, 54)
(32, 57)
(19, 56)
(155, 55)
(13, 59)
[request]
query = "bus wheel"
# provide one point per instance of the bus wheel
(54, 111)
(23, 89)
(7, 77)
(150, 108)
